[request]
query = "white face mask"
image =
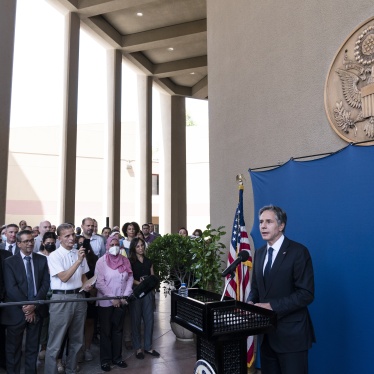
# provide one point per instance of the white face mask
(114, 250)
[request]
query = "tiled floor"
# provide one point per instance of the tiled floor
(177, 357)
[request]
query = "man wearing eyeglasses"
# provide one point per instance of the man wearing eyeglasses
(26, 278)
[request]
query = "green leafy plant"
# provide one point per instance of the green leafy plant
(172, 260)
(194, 261)
(207, 251)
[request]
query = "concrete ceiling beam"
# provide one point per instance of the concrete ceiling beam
(178, 67)
(171, 88)
(165, 36)
(104, 30)
(90, 8)
(200, 89)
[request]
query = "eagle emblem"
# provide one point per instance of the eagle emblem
(357, 79)
(352, 98)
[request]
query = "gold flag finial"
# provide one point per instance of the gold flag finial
(239, 179)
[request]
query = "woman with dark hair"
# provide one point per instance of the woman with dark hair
(89, 325)
(48, 243)
(141, 236)
(114, 278)
(183, 231)
(197, 233)
(142, 267)
(130, 230)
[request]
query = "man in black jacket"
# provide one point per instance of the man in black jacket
(283, 281)
(26, 278)
(3, 255)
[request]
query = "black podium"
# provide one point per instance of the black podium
(221, 327)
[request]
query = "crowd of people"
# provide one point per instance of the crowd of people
(67, 264)
(63, 265)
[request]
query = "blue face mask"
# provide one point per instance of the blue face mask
(4, 238)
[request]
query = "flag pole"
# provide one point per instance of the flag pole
(239, 291)
(239, 180)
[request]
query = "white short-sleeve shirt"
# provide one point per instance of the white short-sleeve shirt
(61, 260)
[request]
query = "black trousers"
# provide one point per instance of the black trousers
(14, 336)
(142, 309)
(111, 330)
(2, 346)
(282, 363)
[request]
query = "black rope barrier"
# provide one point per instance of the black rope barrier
(81, 299)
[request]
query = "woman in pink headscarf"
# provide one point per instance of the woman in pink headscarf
(114, 278)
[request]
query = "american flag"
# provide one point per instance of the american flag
(240, 286)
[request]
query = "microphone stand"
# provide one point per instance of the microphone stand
(232, 276)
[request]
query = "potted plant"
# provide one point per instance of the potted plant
(195, 261)
(207, 252)
(172, 260)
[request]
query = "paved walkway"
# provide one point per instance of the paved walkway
(176, 357)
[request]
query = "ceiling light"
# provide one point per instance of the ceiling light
(193, 73)
(170, 49)
(139, 14)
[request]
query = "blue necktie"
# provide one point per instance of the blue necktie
(268, 265)
(30, 279)
(10, 249)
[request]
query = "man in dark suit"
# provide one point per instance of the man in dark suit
(26, 278)
(10, 244)
(3, 255)
(283, 281)
(148, 237)
(152, 230)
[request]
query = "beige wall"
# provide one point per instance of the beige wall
(268, 61)
(197, 143)
(33, 175)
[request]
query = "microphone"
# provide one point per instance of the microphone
(144, 288)
(242, 257)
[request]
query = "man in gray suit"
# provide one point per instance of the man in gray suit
(10, 244)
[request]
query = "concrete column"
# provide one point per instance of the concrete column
(7, 29)
(113, 137)
(173, 184)
(69, 126)
(145, 148)
(165, 166)
(178, 163)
